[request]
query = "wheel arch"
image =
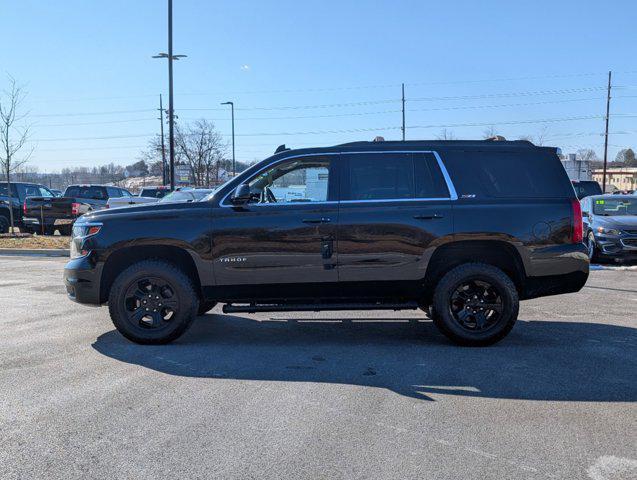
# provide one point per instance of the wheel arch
(498, 253)
(122, 258)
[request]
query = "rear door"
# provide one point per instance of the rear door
(394, 207)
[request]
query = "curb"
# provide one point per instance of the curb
(35, 252)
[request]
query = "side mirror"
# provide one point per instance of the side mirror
(241, 195)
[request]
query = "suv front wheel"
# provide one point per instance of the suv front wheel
(475, 304)
(152, 302)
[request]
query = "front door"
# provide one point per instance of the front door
(394, 209)
(284, 238)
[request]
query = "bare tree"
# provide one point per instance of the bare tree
(202, 148)
(587, 155)
(446, 135)
(489, 132)
(13, 136)
(540, 137)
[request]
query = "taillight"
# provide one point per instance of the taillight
(24, 207)
(578, 225)
(75, 208)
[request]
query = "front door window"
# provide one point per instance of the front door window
(295, 181)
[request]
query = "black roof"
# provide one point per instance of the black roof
(441, 143)
(418, 145)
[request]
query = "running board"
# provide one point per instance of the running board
(316, 307)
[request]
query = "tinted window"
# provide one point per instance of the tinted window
(154, 192)
(428, 178)
(381, 176)
(29, 191)
(585, 189)
(3, 189)
(113, 192)
(389, 176)
(522, 174)
(95, 193)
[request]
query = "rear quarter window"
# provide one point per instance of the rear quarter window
(508, 174)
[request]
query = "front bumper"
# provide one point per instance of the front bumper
(82, 280)
(618, 247)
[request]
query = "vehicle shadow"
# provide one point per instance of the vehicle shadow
(540, 360)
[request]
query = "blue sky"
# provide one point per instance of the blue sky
(89, 74)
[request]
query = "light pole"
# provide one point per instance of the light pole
(234, 168)
(171, 110)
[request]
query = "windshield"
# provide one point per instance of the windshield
(615, 206)
(177, 196)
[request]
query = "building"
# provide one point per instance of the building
(576, 168)
(617, 178)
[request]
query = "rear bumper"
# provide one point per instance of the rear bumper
(82, 280)
(557, 270)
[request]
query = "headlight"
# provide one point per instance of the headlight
(79, 235)
(608, 231)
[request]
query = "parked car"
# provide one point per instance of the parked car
(461, 229)
(19, 192)
(610, 227)
(95, 195)
(190, 195)
(57, 193)
(585, 188)
(115, 202)
(624, 192)
(154, 192)
(44, 214)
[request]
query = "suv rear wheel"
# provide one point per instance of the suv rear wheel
(475, 304)
(152, 302)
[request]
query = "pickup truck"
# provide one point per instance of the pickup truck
(19, 192)
(146, 195)
(462, 230)
(45, 214)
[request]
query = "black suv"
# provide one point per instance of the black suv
(460, 229)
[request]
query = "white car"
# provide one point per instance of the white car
(115, 202)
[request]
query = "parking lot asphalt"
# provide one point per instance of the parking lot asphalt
(329, 395)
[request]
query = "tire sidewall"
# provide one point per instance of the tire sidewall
(448, 284)
(188, 303)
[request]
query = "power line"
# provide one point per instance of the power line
(93, 123)
(114, 112)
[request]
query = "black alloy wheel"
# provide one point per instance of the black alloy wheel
(476, 305)
(151, 302)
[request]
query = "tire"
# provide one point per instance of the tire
(162, 282)
(4, 224)
(205, 307)
(593, 253)
(466, 327)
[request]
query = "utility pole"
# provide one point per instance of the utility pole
(403, 128)
(606, 135)
(171, 106)
(163, 147)
(234, 168)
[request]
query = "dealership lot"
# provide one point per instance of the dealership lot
(329, 395)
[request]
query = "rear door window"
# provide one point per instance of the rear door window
(393, 176)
